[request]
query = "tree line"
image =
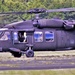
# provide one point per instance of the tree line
(23, 5)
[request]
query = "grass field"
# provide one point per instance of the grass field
(42, 53)
(39, 72)
(6, 56)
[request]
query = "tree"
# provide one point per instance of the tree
(23, 5)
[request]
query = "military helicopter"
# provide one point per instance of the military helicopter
(25, 37)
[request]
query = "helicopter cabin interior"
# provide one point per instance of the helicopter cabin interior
(20, 37)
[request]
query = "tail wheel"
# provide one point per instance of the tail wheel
(29, 53)
(16, 54)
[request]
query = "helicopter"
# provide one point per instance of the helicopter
(25, 37)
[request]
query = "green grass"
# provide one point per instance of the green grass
(39, 72)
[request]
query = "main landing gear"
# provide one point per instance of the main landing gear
(18, 53)
(29, 53)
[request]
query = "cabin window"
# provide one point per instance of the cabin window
(5, 36)
(38, 36)
(49, 36)
(22, 36)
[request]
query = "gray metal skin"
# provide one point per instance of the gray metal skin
(62, 35)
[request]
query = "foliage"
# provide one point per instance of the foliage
(23, 5)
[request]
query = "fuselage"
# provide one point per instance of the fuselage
(41, 38)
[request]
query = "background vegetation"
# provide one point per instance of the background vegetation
(23, 5)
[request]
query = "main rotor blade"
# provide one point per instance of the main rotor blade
(1, 15)
(13, 12)
(31, 11)
(62, 10)
(38, 10)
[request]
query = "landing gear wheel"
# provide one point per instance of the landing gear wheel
(16, 54)
(29, 53)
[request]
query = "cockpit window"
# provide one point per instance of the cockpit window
(38, 36)
(49, 36)
(1, 34)
(5, 35)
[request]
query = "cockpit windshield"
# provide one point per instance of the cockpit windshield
(5, 35)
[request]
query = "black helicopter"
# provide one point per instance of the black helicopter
(25, 37)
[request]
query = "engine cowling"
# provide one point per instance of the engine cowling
(68, 25)
(53, 23)
(50, 23)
